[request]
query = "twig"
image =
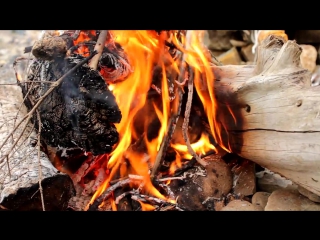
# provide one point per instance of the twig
(117, 180)
(40, 168)
(29, 115)
(8, 84)
(27, 94)
(168, 191)
(185, 124)
(8, 165)
(153, 200)
(210, 199)
(121, 196)
(99, 48)
(190, 164)
(76, 34)
(170, 178)
(11, 84)
(94, 206)
(173, 119)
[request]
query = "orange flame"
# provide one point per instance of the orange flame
(82, 38)
(199, 57)
(145, 49)
(146, 206)
(202, 146)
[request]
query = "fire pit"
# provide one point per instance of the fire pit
(146, 120)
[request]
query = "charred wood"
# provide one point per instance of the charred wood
(201, 184)
(78, 113)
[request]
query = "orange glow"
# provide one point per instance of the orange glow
(202, 146)
(146, 206)
(175, 164)
(113, 205)
(83, 37)
(146, 49)
(143, 49)
(199, 58)
(18, 76)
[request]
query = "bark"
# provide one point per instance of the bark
(274, 117)
(19, 188)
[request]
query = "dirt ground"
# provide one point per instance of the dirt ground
(12, 44)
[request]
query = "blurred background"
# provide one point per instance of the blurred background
(229, 46)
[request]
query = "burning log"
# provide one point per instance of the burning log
(28, 180)
(270, 112)
(81, 111)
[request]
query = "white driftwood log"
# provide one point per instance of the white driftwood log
(20, 191)
(277, 112)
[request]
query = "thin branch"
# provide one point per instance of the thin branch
(185, 124)
(40, 168)
(28, 116)
(170, 178)
(8, 165)
(173, 119)
(27, 94)
(99, 49)
(107, 194)
(10, 84)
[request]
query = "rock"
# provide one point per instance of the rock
(203, 186)
(307, 36)
(219, 39)
(240, 205)
(308, 57)
(263, 34)
(315, 78)
(290, 200)
(237, 43)
(268, 181)
(244, 178)
(260, 199)
(247, 54)
(231, 57)
(218, 205)
(313, 197)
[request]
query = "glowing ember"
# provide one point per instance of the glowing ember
(202, 146)
(146, 206)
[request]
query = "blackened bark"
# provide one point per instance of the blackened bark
(78, 113)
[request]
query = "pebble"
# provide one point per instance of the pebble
(244, 179)
(290, 200)
(308, 57)
(260, 199)
(241, 205)
(313, 197)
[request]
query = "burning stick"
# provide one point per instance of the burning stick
(28, 116)
(186, 121)
(153, 200)
(99, 49)
(109, 191)
(173, 120)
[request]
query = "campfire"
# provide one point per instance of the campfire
(135, 120)
(145, 75)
